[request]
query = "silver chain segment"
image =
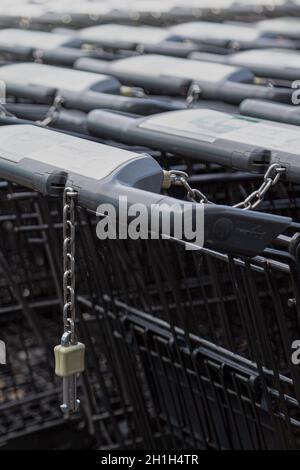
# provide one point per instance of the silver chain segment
(51, 114)
(193, 94)
(69, 263)
(180, 178)
(69, 355)
(272, 176)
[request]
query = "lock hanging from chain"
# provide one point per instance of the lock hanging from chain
(69, 354)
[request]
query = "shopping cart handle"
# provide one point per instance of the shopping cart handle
(40, 82)
(134, 131)
(179, 49)
(36, 93)
(245, 233)
(219, 228)
(233, 92)
(91, 100)
(275, 42)
(48, 161)
(18, 52)
(72, 120)
(65, 56)
(159, 85)
(209, 57)
(287, 114)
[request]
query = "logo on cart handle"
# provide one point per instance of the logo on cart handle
(2, 352)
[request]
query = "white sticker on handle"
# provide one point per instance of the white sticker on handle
(49, 76)
(198, 124)
(208, 126)
(35, 39)
(129, 34)
(72, 154)
(272, 58)
(203, 30)
(163, 66)
(277, 137)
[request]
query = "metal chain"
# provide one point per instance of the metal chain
(52, 112)
(4, 112)
(193, 94)
(180, 178)
(271, 178)
(69, 263)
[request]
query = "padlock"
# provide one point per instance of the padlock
(69, 360)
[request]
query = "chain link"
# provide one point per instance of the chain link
(4, 112)
(69, 263)
(52, 112)
(180, 178)
(193, 94)
(271, 178)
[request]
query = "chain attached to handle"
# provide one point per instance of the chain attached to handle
(271, 178)
(69, 262)
(180, 178)
(193, 94)
(69, 354)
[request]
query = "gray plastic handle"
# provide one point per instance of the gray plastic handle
(47, 161)
(92, 100)
(209, 57)
(232, 92)
(40, 94)
(288, 114)
(129, 130)
(157, 85)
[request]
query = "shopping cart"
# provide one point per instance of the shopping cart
(155, 320)
(203, 340)
(30, 323)
(184, 349)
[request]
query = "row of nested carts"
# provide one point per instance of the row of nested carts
(185, 349)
